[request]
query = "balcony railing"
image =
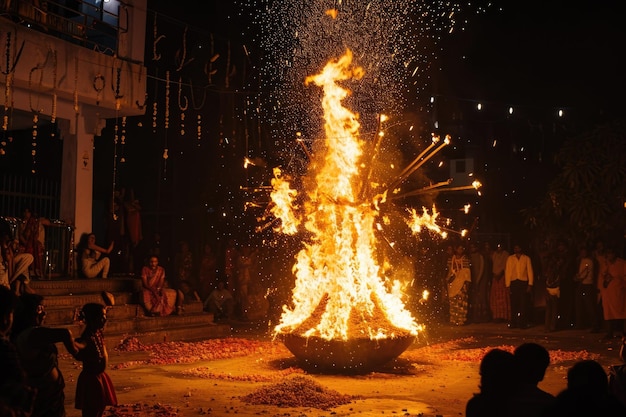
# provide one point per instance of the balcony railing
(93, 24)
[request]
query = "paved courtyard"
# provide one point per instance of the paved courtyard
(249, 374)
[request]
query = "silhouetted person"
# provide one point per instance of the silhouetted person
(16, 396)
(587, 394)
(36, 346)
(529, 400)
(220, 302)
(498, 381)
(617, 375)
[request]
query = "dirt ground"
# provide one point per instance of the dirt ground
(435, 376)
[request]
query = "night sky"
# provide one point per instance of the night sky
(553, 53)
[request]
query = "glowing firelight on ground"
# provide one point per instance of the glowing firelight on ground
(340, 289)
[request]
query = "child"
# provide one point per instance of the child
(94, 388)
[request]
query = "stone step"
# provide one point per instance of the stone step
(78, 300)
(63, 286)
(141, 324)
(56, 316)
(126, 319)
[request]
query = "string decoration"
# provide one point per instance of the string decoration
(38, 67)
(98, 85)
(123, 135)
(5, 117)
(228, 74)
(33, 151)
(10, 67)
(76, 111)
(167, 122)
(167, 100)
(116, 139)
(199, 132)
(154, 116)
(118, 78)
(181, 56)
(183, 107)
(53, 113)
(157, 39)
(9, 73)
(155, 106)
(193, 99)
(123, 139)
(208, 67)
(141, 106)
(7, 88)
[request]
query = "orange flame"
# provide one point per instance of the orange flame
(283, 197)
(340, 291)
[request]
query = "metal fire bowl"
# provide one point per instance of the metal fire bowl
(344, 356)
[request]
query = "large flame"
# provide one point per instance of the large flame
(340, 291)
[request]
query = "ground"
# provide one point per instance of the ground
(249, 374)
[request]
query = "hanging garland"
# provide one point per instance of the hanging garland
(167, 122)
(33, 151)
(116, 90)
(36, 111)
(208, 67)
(53, 113)
(193, 99)
(155, 106)
(76, 86)
(157, 39)
(115, 141)
(98, 85)
(183, 54)
(199, 133)
(182, 107)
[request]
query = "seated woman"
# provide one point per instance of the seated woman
(92, 263)
(157, 298)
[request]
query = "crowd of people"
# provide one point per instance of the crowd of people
(557, 287)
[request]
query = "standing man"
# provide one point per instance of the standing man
(586, 290)
(519, 280)
(499, 299)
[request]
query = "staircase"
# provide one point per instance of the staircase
(126, 319)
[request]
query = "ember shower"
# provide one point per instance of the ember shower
(394, 41)
(339, 67)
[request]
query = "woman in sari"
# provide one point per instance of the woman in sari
(459, 283)
(157, 298)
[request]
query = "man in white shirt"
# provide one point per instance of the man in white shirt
(519, 279)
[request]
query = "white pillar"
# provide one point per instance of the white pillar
(77, 173)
